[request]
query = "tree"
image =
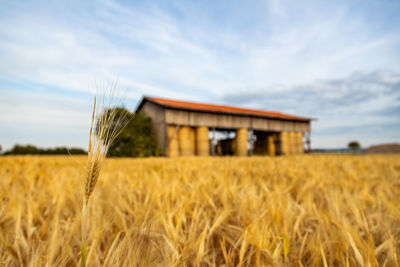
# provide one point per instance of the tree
(354, 145)
(33, 150)
(137, 139)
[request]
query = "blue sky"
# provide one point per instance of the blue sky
(338, 61)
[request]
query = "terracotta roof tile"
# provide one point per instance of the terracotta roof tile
(223, 109)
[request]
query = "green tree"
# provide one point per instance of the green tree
(23, 150)
(137, 139)
(33, 150)
(354, 145)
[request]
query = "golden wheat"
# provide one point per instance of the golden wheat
(107, 127)
(257, 211)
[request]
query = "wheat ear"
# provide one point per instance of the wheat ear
(86, 195)
(107, 127)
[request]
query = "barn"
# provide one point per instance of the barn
(187, 128)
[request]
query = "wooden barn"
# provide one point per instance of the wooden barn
(187, 129)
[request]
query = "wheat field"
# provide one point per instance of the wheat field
(310, 210)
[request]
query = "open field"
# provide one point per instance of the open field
(286, 211)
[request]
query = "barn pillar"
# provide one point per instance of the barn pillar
(271, 145)
(173, 145)
(293, 143)
(284, 143)
(186, 146)
(192, 138)
(299, 143)
(241, 142)
(202, 142)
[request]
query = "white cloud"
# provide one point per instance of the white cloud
(362, 106)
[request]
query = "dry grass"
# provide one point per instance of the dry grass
(288, 211)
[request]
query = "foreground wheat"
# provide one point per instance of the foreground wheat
(306, 210)
(107, 127)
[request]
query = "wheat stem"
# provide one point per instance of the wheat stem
(84, 232)
(86, 197)
(107, 127)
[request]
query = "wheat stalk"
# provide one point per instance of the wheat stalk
(107, 127)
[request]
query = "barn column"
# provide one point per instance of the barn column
(292, 143)
(192, 137)
(284, 143)
(241, 142)
(186, 147)
(295, 146)
(299, 138)
(202, 142)
(173, 145)
(271, 144)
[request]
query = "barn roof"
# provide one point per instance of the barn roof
(202, 107)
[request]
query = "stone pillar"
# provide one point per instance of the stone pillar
(202, 142)
(241, 142)
(173, 145)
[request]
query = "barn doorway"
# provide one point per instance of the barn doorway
(222, 142)
(266, 143)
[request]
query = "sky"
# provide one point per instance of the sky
(336, 61)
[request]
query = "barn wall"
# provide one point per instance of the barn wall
(212, 120)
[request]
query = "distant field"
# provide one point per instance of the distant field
(323, 210)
